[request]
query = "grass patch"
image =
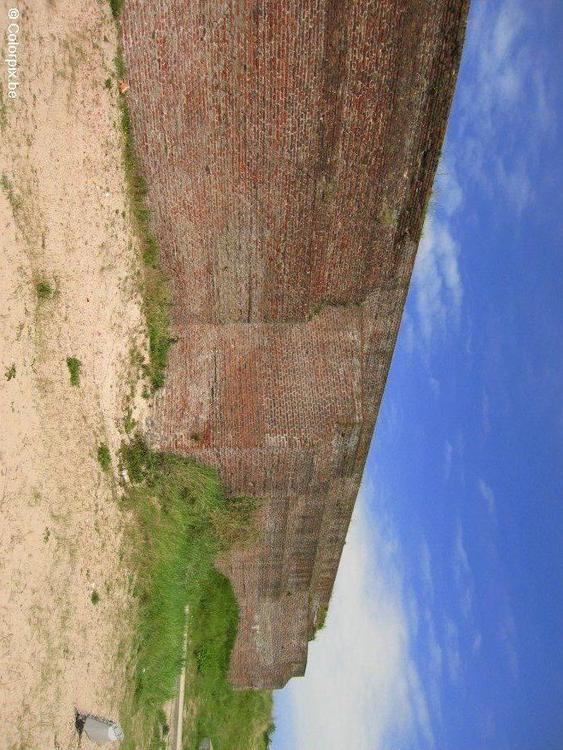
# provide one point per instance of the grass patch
(156, 297)
(94, 597)
(14, 199)
(129, 423)
(104, 457)
(116, 7)
(321, 619)
(181, 520)
(10, 373)
(44, 290)
(74, 367)
(232, 718)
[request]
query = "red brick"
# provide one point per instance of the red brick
(290, 148)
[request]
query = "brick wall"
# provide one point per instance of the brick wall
(289, 148)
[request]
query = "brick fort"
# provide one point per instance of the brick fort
(290, 148)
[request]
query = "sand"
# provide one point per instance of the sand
(63, 219)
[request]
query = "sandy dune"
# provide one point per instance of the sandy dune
(63, 219)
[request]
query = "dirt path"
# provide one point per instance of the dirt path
(63, 221)
(174, 710)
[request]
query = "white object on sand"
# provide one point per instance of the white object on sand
(102, 730)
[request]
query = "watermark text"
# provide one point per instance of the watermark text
(11, 60)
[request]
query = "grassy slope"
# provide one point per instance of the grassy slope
(233, 719)
(179, 522)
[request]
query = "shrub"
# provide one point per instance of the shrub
(116, 7)
(44, 290)
(74, 367)
(104, 457)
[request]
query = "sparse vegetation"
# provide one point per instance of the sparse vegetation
(181, 521)
(321, 619)
(129, 423)
(156, 298)
(108, 84)
(94, 597)
(13, 199)
(3, 110)
(44, 289)
(232, 718)
(268, 734)
(116, 7)
(104, 457)
(74, 367)
(387, 216)
(10, 373)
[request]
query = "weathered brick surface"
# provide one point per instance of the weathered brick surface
(289, 147)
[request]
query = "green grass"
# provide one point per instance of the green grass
(129, 423)
(156, 297)
(104, 457)
(74, 367)
(321, 620)
(44, 290)
(10, 372)
(181, 520)
(116, 7)
(94, 597)
(232, 718)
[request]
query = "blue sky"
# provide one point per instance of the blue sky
(446, 622)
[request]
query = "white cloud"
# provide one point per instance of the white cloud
(507, 633)
(362, 687)
(437, 279)
(407, 335)
(488, 495)
(499, 73)
(545, 115)
(505, 92)
(508, 25)
(448, 455)
(515, 182)
(426, 570)
(486, 412)
(461, 560)
(453, 654)
(434, 652)
(462, 572)
(435, 386)
(448, 195)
